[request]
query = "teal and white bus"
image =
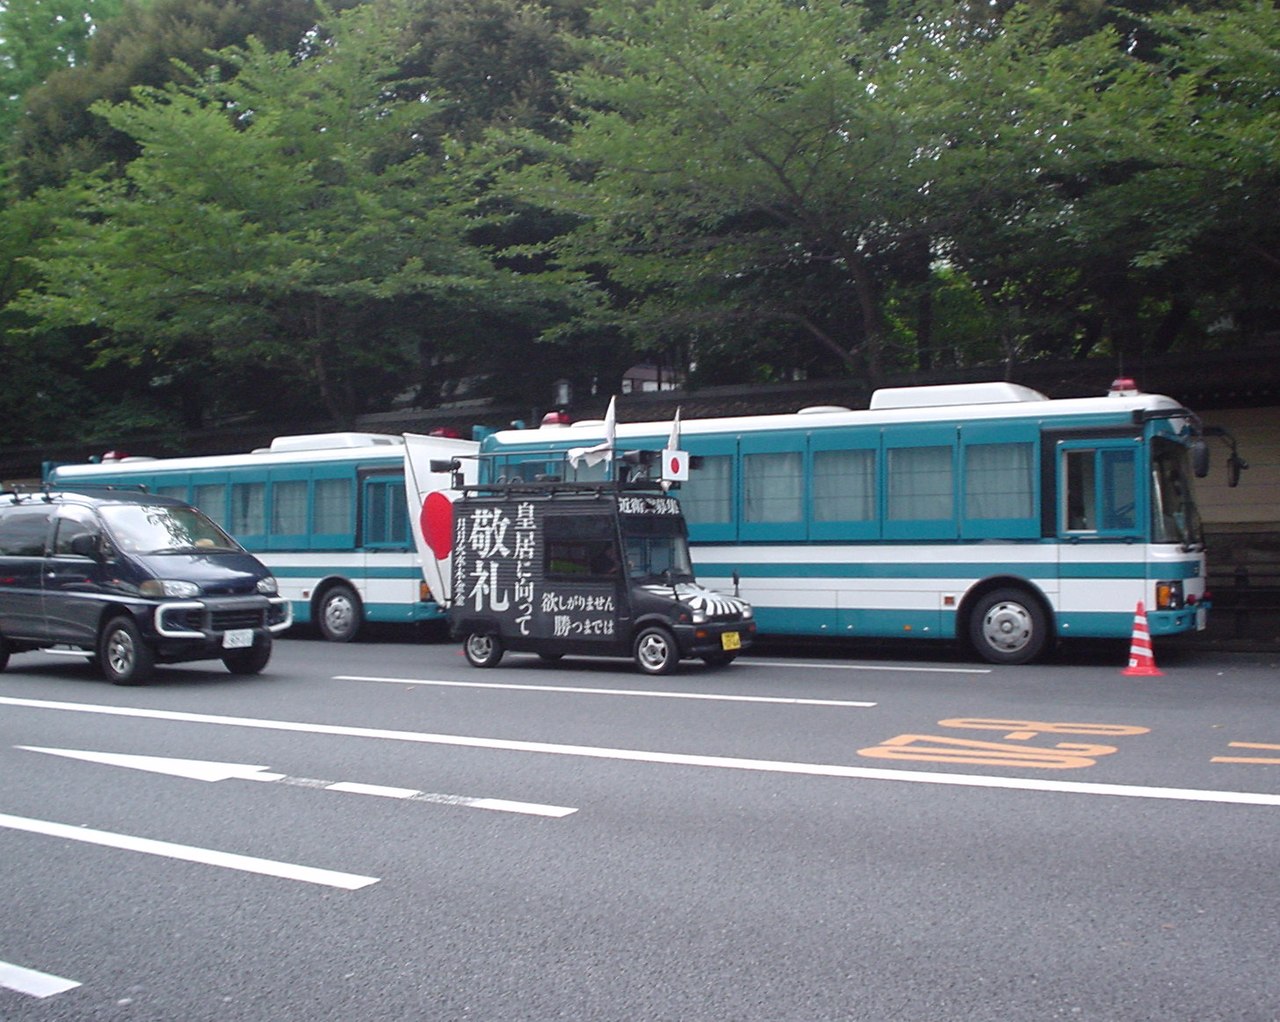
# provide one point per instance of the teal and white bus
(327, 513)
(985, 513)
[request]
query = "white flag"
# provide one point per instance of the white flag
(601, 451)
(675, 462)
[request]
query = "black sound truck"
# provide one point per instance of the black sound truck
(599, 569)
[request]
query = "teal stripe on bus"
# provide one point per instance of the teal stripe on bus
(408, 571)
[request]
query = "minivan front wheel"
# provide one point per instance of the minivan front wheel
(123, 655)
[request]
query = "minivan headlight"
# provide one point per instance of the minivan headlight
(170, 587)
(267, 586)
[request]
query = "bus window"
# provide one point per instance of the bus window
(1100, 490)
(708, 495)
(333, 508)
(211, 498)
(920, 484)
(844, 485)
(773, 487)
(386, 521)
(248, 509)
(1119, 490)
(998, 481)
(289, 508)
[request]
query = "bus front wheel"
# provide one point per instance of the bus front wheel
(1008, 626)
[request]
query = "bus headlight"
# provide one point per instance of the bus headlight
(1169, 596)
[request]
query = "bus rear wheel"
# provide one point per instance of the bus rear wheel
(1008, 626)
(339, 614)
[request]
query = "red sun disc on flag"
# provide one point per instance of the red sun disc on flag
(437, 524)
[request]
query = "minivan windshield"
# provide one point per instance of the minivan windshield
(164, 529)
(1174, 515)
(656, 549)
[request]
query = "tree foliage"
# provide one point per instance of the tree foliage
(254, 205)
(276, 220)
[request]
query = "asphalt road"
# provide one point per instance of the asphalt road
(377, 831)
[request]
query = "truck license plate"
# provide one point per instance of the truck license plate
(237, 638)
(730, 640)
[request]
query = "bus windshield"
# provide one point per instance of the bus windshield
(1174, 515)
(657, 550)
(165, 529)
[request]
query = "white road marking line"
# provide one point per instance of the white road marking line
(33, 983)
(574, 690)
(674, 758)
(212, 770)
(190, 853)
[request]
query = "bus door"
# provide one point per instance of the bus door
(1099, 518)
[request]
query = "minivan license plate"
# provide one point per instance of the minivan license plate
(237, 638)
(730, 640)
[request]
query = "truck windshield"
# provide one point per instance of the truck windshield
(164, 528)
(657, 549)
(1174, 515)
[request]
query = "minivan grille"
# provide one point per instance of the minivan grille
(248, 617)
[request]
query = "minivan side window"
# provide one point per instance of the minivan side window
(23, 531)
(73, 522)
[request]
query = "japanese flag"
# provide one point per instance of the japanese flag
(675, 466)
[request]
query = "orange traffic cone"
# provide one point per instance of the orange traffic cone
(1141, 660)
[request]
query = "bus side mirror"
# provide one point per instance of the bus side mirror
(1235, 464)
(1200, 458)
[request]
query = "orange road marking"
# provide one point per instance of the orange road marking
(941, 749)
(1259, 760)
(1020, 730)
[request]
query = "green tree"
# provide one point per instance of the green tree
(38, 37)
(301, 222)
(148, 43)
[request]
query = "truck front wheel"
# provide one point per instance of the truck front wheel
(482, 649)
(655, 650)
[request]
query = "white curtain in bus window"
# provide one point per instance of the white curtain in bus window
(998, 482)
(708, 495)
(844, 486)
(211, 498)
(773, 487)
(248, 509)
(334, 508)
(920, 486)
(289, 508)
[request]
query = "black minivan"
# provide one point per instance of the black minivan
(131, 580)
